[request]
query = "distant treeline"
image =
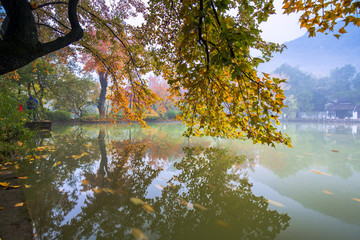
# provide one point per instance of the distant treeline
(306, 92)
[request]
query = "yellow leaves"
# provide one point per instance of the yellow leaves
(56, 164)
(4, 184)
(335, 150)
(109, 190)
(97, 190)
(137, 201)
(327, 192)
(356, 199)
(85, 182)
(27, 186)
(22, 177)
(144, 205)
(19, 143)
(19, 204)
(222, 223)
(1, 208)
(200, 207)
(138, 234)
(148, 208)
(321, 173)
(275, 203)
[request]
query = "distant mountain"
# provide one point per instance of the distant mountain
(320, 54)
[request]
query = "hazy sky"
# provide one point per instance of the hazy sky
(281, 28)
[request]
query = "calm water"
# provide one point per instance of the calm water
(124, 182)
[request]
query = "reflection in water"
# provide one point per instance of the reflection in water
(205, 195)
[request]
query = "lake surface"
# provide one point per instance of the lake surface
(125, 182)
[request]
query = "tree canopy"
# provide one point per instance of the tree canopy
(201, 47)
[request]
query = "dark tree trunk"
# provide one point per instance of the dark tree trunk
(103, 83)
(102, 146)
(19, 42)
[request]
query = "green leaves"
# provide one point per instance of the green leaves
(209, 68)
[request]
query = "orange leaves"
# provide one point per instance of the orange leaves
(321, 173)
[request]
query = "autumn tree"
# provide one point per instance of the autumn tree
(202, 48)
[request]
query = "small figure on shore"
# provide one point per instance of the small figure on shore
(32, 106)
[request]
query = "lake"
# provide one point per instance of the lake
(125, 182)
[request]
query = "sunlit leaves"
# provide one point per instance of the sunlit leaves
(205, 56)
(19, 204)
(322, 16)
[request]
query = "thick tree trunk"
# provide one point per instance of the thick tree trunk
(19, 43)
(103, 83)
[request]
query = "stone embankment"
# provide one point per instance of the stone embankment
(15, 222)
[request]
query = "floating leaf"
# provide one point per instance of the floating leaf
(137, 201)
(335, 150)
(27, 186)
(210, 185)
(1, 208)
(85, 182)
(159, 186)
(327, 192)
(4, 184)
(22, 177)
(148, 208)
(108, 190)
(356, 199)
(275, 203)
(309, 154)
(222, 223)
(200, 206)
(97, 190)
(138, 234)
(17, 186)
(189, 205)
(19, 204)
(56, 164)
(322, 173)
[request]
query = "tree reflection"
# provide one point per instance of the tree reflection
(209, 198)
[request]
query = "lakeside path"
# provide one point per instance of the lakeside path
(15, 222)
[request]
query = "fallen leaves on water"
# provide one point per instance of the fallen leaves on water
(109, 190)
(275, 203)
(4, 184)
(137, 201)
(222, 223)
(309, 154)
(148, 208)
(85, 182)
(56, 164)
(327, 192)
(1, 208)
(321, 173)
(335, 150)
(188, 205)
(27, 186)
(19, 204)
(97, 190)
(138, 234)
(22, 177)
(17, 186)
(159, 186)
(356, 199)
(200, 207)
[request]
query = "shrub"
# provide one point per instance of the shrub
(15, 139)
(58, 115)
